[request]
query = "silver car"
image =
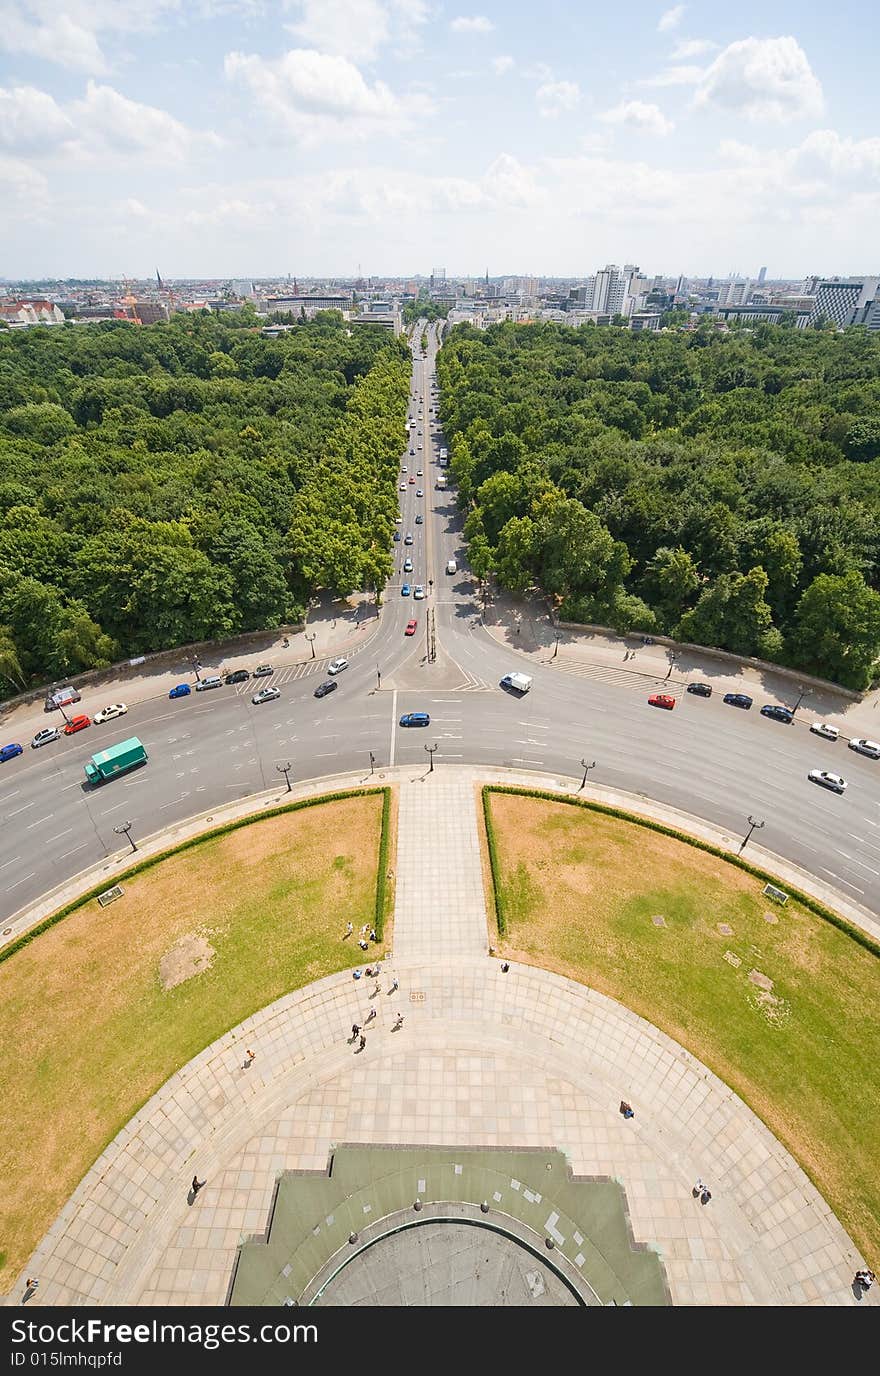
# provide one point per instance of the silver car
(828, 780)
(865, 747)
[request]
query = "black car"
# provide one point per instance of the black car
(328, 686)
(778, 713)
(237, 676)
(738, 700)
(702, 690)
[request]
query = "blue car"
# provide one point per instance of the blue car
(777, 713)
(405, 590)
(415, 719)
(9, 752)
(738, 700)
(182, 690)
(397, 535)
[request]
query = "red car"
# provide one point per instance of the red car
(410, 628)
(77, 724)
(661, 700)
(412, 479)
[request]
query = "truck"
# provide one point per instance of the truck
(440, 482)
(118, 759)
(520, 683)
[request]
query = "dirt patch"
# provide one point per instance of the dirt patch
(725, 929)
(189, 956)
(762, 981)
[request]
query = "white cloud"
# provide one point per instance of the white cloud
(31, 121)
(557, 97)
(70, 37)
(649, 119)
(106, 122)
(670, 19)
(358, 29)
(693, 47)
(502, 64)
(674, 76)
(763, 79)
(313, 95)
(24, 189)
(477, 23)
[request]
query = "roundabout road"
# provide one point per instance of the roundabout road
(211, 748)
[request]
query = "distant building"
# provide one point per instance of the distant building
(754, 312)
(243, 288)
(309, 305)
(31, 310)
(847, 301)
(151, 312)
(644, 320)
(762, 276)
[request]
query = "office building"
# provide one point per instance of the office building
(847, 301)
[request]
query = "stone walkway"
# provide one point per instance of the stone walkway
(524, 1059)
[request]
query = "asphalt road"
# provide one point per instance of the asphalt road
(212, 747)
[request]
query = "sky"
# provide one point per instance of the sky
(236, 138)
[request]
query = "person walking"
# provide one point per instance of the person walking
(398, 1024)
(197, 1184)
(627, 1109)
(249, 1058)
(349, 928)
(362, 1043)
(395, 985)
(370, 1016)
(698, 1189)
(355, 1030)
(865, 1279)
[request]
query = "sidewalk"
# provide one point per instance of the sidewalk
(524, 627)
(336, 628)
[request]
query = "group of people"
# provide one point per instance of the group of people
(367, 935)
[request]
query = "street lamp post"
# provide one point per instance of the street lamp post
(196, 667)
(378, 677)
(372, 763)
(556, 648)
(802, 693)
(754, 825)
(586, 767)
(124, 829)
(311, 640)
(285, 770)
(430, 749)
(672, 658)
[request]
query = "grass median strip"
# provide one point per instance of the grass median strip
(779, 1002)
(98, 1009)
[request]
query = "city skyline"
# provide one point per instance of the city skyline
(338, 138)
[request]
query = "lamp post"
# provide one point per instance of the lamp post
(586, 767)
(378, 677)
(372, 762)
(285, 770)
(556, 648)
(672, 658)
(196, 664)
(124, 829)
(311, 640)
(802, 693)
(430, 749)
(754, 825)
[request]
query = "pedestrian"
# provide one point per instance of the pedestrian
(348, 930)
(197, 1184)
(370, 1016)
(355, 1029)
(627, 1109)
(249, 1058)
(356, 974)
(377, 990)
(505, 966)
(363, 945)
(365, 929)
(395, 985)
(373, 936)
(705, 1196)
(863, 1278)
(31, 1283)
(698, 1189)
(362, 1043)
(399, 1023)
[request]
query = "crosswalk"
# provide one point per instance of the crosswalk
(636, 680)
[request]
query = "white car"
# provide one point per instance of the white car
(116, 709)
(336, 666)
(827, 780)
(869, 748)
(266, 695)
(822, 728)
(418, 592)
(404, 469)
(398, 520)
(48, 733)
(403, 487)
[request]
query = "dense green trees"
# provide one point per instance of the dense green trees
(721, 489)
(188, 480)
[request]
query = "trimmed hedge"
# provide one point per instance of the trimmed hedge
(234, 825)
(812, 904)
(382, 895)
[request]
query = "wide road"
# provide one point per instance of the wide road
(708, 759)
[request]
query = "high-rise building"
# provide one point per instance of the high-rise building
(761, 276)
(848, 301)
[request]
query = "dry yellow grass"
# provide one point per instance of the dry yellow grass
(580, 891)
(88, 1029)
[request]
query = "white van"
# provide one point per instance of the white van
(451, 566)
(520, 683)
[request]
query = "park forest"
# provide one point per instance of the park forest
(723, 489)
(174, 483)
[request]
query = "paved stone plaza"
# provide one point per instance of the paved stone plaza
(484, 1059)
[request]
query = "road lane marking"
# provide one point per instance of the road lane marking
(6, 796)
(519, 760)
(56, 836)
(47, 818)
(10, 862)
(114, 808)
(81, 846)
(23, 879)
(22, 809)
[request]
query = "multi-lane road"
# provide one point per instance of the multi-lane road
(705, 758)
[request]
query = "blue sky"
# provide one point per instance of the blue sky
(235, 137)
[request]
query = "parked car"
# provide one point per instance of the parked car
(263, 671)
(737, 700)
(827, 779)
(661, 700)
(212, 681)
(328, 686)
(865, 747)
(405, 590)
(77, 723)
(266, 694)
(237, 676)
(116, 709)
(48, 733)
(180, 690)
(825, 730)
(701, 690)
(411, 627)
(336, 666)
(9, 752)
(777, 713)
(415, 719)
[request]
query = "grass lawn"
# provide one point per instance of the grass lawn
(92, 1022)
(580, 890)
